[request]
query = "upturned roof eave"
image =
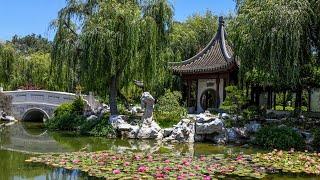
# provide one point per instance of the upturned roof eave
(218, 38)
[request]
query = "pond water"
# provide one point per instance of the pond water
(20, 141)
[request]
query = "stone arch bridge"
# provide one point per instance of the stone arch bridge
(34, 105)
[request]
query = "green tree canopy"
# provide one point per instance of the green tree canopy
(101, 44)
(272, 40)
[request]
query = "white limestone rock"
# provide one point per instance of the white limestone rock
(182, 132)
(216, 126)
(167, 132)
(221, 139)
(232, 135)
(204, 117)
(253, 127)
(92, 118)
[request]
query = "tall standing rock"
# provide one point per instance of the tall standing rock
(5, 103)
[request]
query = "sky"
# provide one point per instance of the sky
(23, 17)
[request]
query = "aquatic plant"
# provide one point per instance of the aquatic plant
(112, 165)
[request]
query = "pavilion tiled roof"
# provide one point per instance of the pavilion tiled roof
(216, 56)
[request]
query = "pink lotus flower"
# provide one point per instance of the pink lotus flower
(239, 158)
(179, 167)
(101, 163)
(202, 158)
(185, 162)
(167, 169)
(76, 161)
(116, 171)
(126, 163)
(181, 177)
(159, 176)
(137, 158)
(142, 169)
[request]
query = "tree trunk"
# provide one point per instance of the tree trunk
(284, 100)
(113, 96)
(275, 101)
(298, 102)
(257, 97)
(309, 100)
(252, 94)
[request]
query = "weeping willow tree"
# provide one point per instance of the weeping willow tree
(272, 40)
(103, 45)
(7, 59)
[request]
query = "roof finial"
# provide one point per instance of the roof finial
(221, 21)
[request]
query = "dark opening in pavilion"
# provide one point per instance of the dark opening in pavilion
(206, 75)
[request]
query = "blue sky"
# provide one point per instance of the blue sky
(24, 17)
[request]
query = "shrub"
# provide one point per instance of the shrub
(68, 116)
(274, 137)
(235, 100)
(103, 128)
(168, 111)
(316, 139)
(65, 108)
(78, 105)
(65, 122)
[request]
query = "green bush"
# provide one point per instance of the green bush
(65, 122)
(235, 100)
(65, 108)
(168, 111)
(68, 116)
(274, 137)
(316, 139)
(103, 128)
(78, 105)
(289, 108)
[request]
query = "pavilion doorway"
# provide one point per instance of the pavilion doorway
(208, 99)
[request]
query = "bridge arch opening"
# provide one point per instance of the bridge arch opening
(35, 115)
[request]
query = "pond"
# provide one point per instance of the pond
(22, 140)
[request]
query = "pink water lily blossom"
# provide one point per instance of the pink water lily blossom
(142, 169)
(76, 161)
(116, 171)
(126, 163)
(167, 169)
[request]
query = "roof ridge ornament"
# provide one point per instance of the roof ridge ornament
(221, 21)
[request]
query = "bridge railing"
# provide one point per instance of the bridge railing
(40, 96)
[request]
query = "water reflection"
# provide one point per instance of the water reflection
(32, 138)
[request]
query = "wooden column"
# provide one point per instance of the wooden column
(188, 91)
(218, 92)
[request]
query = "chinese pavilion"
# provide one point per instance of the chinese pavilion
(206, 75)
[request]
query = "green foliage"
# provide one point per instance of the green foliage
(188, 37)
(68, 116)
(75, 107)
(168, 111)
(235, 100)
(78, 105)
(65, 108)
(289, 108)
(65, 122)
(103, 128)
(116, 39)
(272, 39)
(31, 44)
(272, 137)
(316, 139)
